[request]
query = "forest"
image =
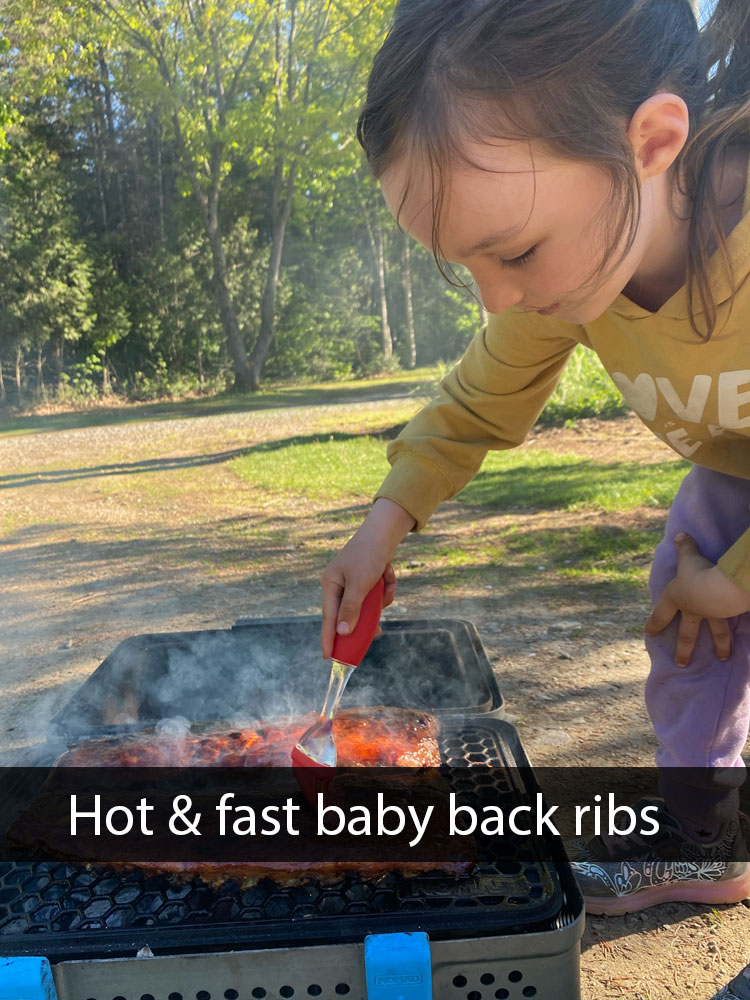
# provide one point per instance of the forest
(184, 207)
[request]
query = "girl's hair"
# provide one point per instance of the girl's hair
(571, 74)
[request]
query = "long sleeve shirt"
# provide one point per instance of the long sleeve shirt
(693, 394)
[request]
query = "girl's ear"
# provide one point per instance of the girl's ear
(658, 131)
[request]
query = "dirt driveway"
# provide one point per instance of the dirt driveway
(113, 531)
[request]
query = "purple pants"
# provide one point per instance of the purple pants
(701, 713)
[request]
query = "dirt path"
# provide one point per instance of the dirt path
(114, 531)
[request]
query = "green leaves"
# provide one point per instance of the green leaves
(161, 150)
(45, 273)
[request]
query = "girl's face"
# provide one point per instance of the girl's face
(527, 225)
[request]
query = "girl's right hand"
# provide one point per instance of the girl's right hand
(353, 572)
(344, 589)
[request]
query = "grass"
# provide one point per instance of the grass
(324, 468)
(549, 481)
(340, 461)
(340, 467)
(606, 557)
(617, 555)
(327, 468)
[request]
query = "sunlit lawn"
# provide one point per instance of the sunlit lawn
(329, 467)
(335, 467)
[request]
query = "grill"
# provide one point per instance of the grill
(509, 930)
(273, 666)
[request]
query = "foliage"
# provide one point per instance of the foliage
(45, 271)
(169, 133)
(7, 116)
(585, 390)
(184, 201)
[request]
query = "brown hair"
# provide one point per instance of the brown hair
(571, 74)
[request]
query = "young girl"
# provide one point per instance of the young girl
(587, 161)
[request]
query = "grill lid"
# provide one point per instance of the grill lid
(268, 667)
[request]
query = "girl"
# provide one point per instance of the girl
(587, 161)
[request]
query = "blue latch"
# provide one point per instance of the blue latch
(398, 966)
(26, 979)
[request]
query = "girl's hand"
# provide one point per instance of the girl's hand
(352, 573)
(345, 583)
(699, 591)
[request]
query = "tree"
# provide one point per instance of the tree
(259, 79)
(6, 112)
(45, 270)
(408, 300)
(201, 174)
(199, 58)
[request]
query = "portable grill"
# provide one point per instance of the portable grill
(509, 930)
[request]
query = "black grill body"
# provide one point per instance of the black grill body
(71, 911)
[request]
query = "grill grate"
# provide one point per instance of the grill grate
(63, 909)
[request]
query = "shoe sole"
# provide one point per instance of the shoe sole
(712, 893)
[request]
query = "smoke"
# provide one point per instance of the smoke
(267, 669)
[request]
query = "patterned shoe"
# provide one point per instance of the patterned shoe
(622, 874)
(738, 989)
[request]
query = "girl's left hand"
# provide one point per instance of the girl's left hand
(699, 591)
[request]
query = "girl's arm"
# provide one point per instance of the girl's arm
(490, 400)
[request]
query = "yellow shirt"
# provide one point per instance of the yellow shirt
(694, 395)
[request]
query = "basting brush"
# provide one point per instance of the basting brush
(314, 757)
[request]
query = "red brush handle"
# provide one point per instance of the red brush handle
(351, 649)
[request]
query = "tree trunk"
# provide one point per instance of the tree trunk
(244, 375)
(408, 302)
(159, 182)
(55, 361)
(244, 378)
(98, 139)
(58, 360)
(40, 387)
(115, 156)
(385, 326)
(18, 371)
(375, 237)
(281, 215)
(106, 384)
(3, 395)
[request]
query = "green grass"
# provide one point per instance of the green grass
(549, 481)
(603, 552)
(340, 461)
(327, 468)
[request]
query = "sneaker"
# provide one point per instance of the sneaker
(738, 989)
(623, 874)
